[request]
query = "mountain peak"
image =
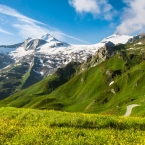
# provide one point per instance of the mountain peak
(48, 37)
(116, 38)
(116, 33)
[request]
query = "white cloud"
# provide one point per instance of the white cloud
(33, 30)
(28, 27)
(89, 6)
(75, 38)
(132, 18)
(12, 12)
(95, 7)
(4, 31)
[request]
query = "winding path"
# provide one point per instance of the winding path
(129, 109)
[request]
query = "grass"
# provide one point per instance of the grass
(33, 92)
(89, 91)
(31, 96)
(24, 79)
(27, 126)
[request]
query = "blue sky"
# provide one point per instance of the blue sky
(72, 21)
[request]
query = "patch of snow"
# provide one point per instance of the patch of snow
(116, 39)
(6, 50)
(131, 48)
(139, 43)
(111, 83)
(42, 73)
(20, 52)
(59, 53)
(7, 66)
(48, 38)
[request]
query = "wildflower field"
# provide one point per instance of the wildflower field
(41, 127)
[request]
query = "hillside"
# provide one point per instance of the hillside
(72, 72)
(105, 88)
(47, 85)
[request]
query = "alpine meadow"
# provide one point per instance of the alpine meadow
(58, 86)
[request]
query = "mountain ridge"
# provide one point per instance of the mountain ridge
(37, 58)
(106, 83)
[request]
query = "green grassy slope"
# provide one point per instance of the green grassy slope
(24, 97)
(28, 126)
(90, 91)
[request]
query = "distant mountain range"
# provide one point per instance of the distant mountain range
(105, 80)
(29, 62)
(53, 52)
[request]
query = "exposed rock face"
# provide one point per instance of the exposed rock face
(33, 44)
(109, 44)
(142, 35)
(131, 40)
(68, 70)
(104, 52)
(5, 60)
(107, 50)
(101, 55)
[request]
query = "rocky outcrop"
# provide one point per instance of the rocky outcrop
(5, 60)
(32, 44)
(103, 53)
(131, 40)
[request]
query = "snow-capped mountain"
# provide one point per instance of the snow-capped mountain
(116, 38)
(48, 38)
(23, 64)
(51, 52)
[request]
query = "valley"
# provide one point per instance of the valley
(72, 72)
(96, 98)
(106, 83)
